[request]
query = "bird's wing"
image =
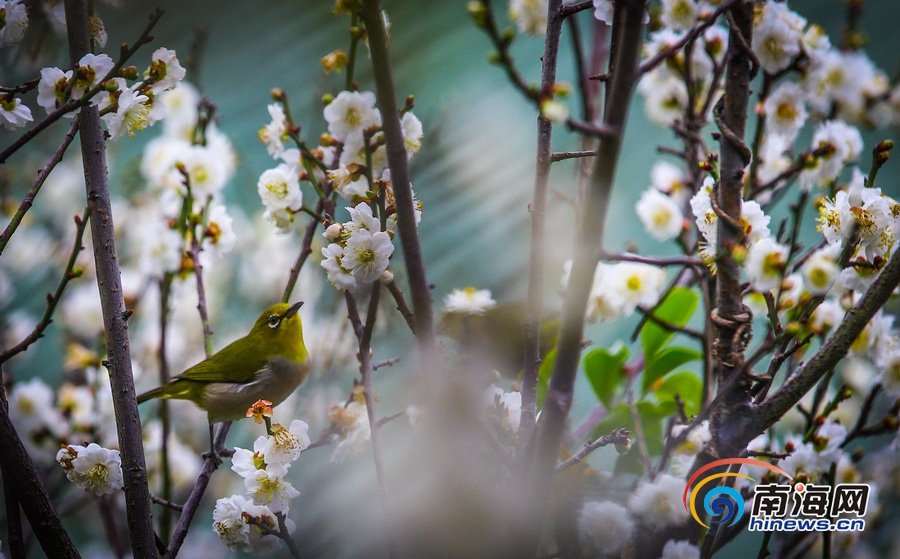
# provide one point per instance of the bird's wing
(237, 362)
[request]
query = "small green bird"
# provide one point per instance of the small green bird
(266, 364)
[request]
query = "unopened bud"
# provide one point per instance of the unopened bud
(739, 253)
(277, 94)
(387, 277)
(327, 99)
(129, 73)
(333, 232)
(477, 11)
(563, 89)
(884, 145)
(623, 448)
(335, 60)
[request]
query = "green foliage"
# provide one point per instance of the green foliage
(606, 373)
(677, 310)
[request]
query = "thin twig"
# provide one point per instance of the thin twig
(168, 504)
(662, 262)
(53, 300)
(563, 155)
(36, 187)
(616, 437)
(402, 307)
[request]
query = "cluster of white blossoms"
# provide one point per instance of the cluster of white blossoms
(183, 165)
(13, 22)
(349, 156)
(350, 422)
(95, 469)
(242, 522)
(359, 251)
(126, 109)
(619, 289)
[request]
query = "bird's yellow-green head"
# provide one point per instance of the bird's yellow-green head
(279, 331)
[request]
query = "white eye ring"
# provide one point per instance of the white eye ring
(274, 321)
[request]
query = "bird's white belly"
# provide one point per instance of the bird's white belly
(229, 401)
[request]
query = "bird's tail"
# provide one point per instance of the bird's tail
(159, 392)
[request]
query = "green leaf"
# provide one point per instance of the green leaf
(665, 361)
(544, 376)
(686, 384)
(676, 309)
(605, 372)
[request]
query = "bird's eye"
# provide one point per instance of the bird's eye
(274, 321)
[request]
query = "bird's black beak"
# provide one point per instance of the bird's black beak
(293, 310)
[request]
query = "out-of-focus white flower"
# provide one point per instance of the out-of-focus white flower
(31, 406)
(828, 440)
(367, 254)
(349, 189)
(350, 113)
(219, 237)
(13, 22)
(608, 524)
(634, 284)
(815, 42)
(165, 70)
(81, 312)
(765, 264)
(679, 15)
(181, 111)
(603, 11)
(821, 269)
(554, 111)
(838, 144)
(670, 179)
(240, 524)
(660, 215)
(161, 249)
(665, 98)
(658, 503)
(507, 404)
(279, 189)
(95, 469)
(530, 16)
(13, 114)
(786, 110)
(274, 134)
(803, 459)
(680, 550)
(469, 300)
(776, 36)
(696, 439)
(352, 423)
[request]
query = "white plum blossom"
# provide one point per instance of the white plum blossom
(13, 114)
(95, 469)
(803, 459)
(361, 217)
(680, 550)
(13, 22)
(161, 250)
(665, 98)
(608, 524)
(821, 269)
(91, 70)
(696, 439)
(349, 189)
(413, 133)
(52, 88)
(827, 315)
(670, 179)
(603, 11)
(469, 300)
(367, 254)
(207, 172)
(776, 37)
(219, 236)
(350, 113)
(31, 406)
(181, 111)
(165, 70)
(633, 284)
(279, 189)
(132, 114)
(765, 264)
(530, 15)
(785, 110)
(286, 443)
(753, 220)
(231, 521)
(660, 214)
(679, 15)
(353, 427)
(507, 404)
(340, 277)
(270, 489)
(838, 144)
(658, 503)
(274, 134)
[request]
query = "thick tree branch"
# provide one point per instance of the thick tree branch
(589, 242)
(397, 159)
(109, 280)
